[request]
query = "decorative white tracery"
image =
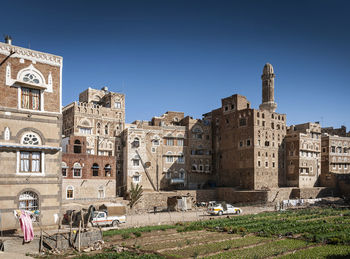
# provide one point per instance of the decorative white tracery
(31, 75)
(31, 138)
(7, 133)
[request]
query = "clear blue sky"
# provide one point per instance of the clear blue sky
(186, 55)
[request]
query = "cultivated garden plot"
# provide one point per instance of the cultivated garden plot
(302, 233)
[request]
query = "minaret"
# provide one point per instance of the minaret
(268, 89)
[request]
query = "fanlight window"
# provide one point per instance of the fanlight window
(31, 78)
(31, 139)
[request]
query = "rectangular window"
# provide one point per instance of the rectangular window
(69, 193)
(266, 164)
(170, 142)
(180, 159)
(135, 162)
(30, 98)
(86, 131)
(64, 172)
(248, 142)
(345, 166)
(169, 159)
(77, 172)
(180, 142)
(30, 162)
(242, 122)
(117, 105)
(155, 142)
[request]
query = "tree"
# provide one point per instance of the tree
(135, 194)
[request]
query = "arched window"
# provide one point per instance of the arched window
(31, 138)
(108, 170)
(95, 168)
(77, 170)
(136, 142)
(28, 201)
(77, 146)
(101, 192)
(64, 169)
(70, 192)
(194, 167)
(98, 126)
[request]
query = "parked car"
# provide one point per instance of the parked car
(223, 208)
(101, 218)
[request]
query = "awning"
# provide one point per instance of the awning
(28, 147)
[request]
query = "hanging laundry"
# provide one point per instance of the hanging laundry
(26, 226)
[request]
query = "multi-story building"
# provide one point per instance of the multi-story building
(199, 154)
(92, 160)
(169, 152)
(335, 159)
(248, 149)
(30, 132)
(303, 153)
(335, 131)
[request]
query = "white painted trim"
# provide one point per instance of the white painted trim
(61, 85)
(42, 173)
(31, 55)
(73, 192)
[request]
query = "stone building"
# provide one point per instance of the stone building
(335, 131)
(199, 153)
(30, 133)
(303, 153)
(93, 145)
(167, 153)
(248, 148)
(335, 159)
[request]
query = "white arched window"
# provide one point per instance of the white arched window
(28, 201)
(70, 192)
(136, 142)
(77, 170)
(30, 161)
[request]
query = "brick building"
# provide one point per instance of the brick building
(335, 159)
(30, 133)
(92, 148)
(169, 152)
(248, 148)
(303, 153)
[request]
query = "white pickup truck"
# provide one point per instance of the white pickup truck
(101, 218)
(220, 209)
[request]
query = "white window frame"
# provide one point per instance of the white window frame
(72, 188)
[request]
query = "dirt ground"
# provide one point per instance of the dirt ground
(161, 218)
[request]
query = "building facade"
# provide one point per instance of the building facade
(248, 148)
(30, 133)
(167, 153)
(92, 147)
(335, 159)
(303, 153)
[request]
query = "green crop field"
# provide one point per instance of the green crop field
(302, 233)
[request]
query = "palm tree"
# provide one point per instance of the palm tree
(135, 194)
